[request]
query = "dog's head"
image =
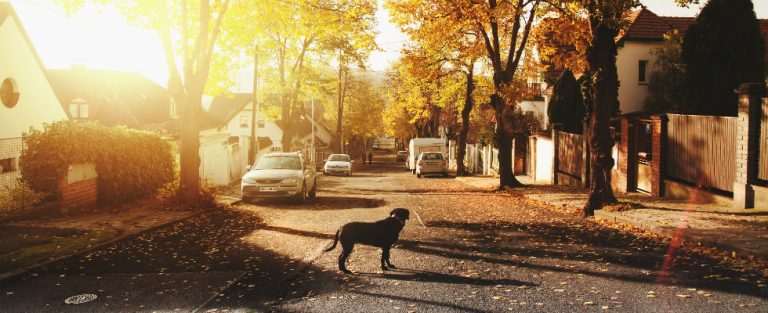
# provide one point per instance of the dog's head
(400, 214)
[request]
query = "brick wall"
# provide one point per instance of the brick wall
(78, 196)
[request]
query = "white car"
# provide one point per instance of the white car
(431, 163)
(338, 164)
(280, 175)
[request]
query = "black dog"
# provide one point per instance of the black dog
(382, 234)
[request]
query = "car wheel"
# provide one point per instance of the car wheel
(313, 192)
(246, 200)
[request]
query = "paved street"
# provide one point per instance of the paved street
(465, 249)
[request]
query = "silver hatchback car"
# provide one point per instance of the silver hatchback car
(280, 175)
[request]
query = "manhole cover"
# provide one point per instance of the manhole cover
(80, 299)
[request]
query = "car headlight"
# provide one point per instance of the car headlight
(289, 181)
(249, 180)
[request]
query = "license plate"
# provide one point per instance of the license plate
(267, 188)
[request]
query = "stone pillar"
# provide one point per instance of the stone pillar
(625, 177)
(79, 190)
(747, 144)
(556, 127)
(658, 142)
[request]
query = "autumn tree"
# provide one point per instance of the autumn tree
(189, 31)
(504, 28)
(295, 34)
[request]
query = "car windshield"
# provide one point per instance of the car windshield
(432, 156)
(278, 162)
(339, 157)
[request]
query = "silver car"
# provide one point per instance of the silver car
(280, 175)
(431, 163)
(338, 164)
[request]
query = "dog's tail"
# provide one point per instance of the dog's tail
(336, 240)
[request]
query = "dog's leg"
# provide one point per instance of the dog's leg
(347, 250)
(385, 259)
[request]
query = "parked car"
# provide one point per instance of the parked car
(401, 156)
(338, 164)
(418, 145)
(280, 175)
(431, 163)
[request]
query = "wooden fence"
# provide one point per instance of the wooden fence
(763, 167)
(570, 159)
(701, 150)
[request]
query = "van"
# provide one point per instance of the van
(418, 145)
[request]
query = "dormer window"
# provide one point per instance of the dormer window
(78, 109)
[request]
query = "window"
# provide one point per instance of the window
(642, 67)
(260, 124)
(7, 165)
(9, 93)
(78, 109)
(244, 121)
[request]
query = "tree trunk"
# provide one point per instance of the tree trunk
(461, 170)
(189, 180)
(503, 138)
(601, 57)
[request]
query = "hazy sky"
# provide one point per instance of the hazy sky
(103, 40)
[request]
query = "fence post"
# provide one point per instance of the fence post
(747, 144)
(556, 127)
(585, 155)
(658, 142)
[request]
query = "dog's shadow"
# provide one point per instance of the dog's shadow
(433, 277)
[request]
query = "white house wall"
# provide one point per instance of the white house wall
(632, 93)
(37, 103)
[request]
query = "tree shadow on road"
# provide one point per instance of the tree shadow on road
(434, 277)
(323, 203)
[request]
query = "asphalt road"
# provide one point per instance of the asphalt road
(465, 249)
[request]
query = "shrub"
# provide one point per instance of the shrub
(130, 163)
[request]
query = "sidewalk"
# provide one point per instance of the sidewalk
(31, 242)
(740, 231)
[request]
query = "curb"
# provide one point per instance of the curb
(25, 270)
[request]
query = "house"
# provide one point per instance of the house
(25, 93)
(635, 60)
(113, 98)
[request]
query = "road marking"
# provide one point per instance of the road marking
(419, 217)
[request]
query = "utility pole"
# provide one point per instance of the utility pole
(314, 151)
(340, 108)
(254, 106)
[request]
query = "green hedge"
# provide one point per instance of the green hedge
(130, 163)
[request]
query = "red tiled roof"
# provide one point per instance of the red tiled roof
(680, 23)
(645, 25)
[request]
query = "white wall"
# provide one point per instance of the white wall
(37, 102)
(270, 129)
(214, 162)
(632, 94)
